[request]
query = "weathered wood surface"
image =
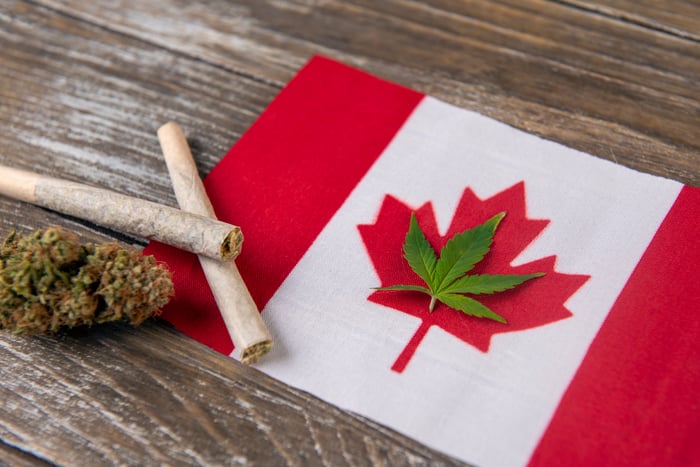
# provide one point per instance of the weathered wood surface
(151, 396)
(603, 85)
(677, 17)
(84, 86)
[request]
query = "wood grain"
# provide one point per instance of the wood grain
(608, 87)
(11, 456)
(676, 17)
(84, 86)
(151, 396)
(81, 103)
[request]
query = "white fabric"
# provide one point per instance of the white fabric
(487, 408)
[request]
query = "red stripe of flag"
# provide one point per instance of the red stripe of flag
(285, 179)
(634, 399)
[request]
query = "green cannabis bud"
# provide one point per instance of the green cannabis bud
(49, 281)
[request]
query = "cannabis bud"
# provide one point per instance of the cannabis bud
(49, 281)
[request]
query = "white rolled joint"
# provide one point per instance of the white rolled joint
(198, 234)
(240, 313)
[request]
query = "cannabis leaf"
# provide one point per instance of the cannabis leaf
(446, 277)
(537, 303)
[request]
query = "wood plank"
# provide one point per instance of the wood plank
(82, 102)
(151, 396)
(676, 17)
(10, 455)
(84, 85)
(614, 89)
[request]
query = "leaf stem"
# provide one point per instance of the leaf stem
(433, 299)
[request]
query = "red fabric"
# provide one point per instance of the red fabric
(544, 297)
(284, 180)
(634, 400)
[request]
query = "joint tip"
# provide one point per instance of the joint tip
(252, 353)
(232, 245)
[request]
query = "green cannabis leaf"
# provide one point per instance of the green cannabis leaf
(446, 277)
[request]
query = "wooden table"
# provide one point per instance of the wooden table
(85, 84)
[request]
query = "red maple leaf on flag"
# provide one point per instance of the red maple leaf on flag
(532, 304)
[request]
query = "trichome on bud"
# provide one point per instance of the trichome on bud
(49, 281)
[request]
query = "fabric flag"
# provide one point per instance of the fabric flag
(599, 361)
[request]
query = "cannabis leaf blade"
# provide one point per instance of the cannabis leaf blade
(469, 306)
(416, 288)
(446, 277)
(418, 252)
(463, 251)
(488, 283)
(534, 303)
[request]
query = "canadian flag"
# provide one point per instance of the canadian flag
(599, 361)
